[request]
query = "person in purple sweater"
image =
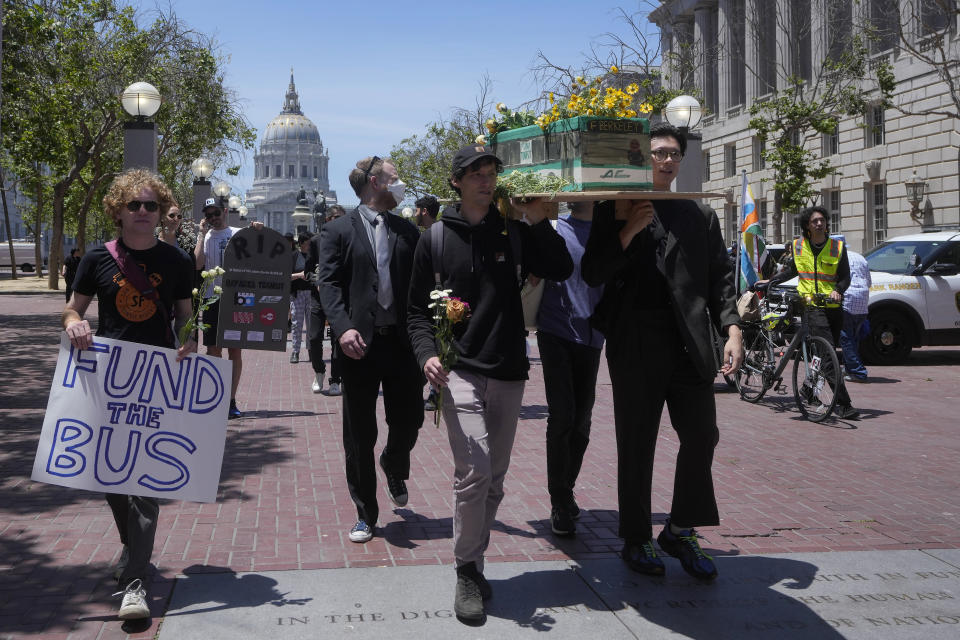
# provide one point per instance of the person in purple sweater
(570, 354)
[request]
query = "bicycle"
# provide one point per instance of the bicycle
(816, 370)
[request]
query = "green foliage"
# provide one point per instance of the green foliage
(423, 161)
(518, 183)
(807, 108)
(65, 64)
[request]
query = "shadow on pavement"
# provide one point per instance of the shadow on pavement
(740, 603)
(248, 590)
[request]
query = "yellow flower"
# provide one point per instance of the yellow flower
(614, 69)
(645, 107)
(456, 310)
(491, 125)
(579, 80)
(550, 97)
(481, 139)
(502, 108)
(593, 91)
(632, 88)
(589, 112)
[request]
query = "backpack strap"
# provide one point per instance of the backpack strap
(436, 252)
(136, 277)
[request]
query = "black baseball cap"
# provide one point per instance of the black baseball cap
(211, 203)
(469, 154)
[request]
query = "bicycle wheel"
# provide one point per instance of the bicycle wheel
(816, 378)
(758, 360)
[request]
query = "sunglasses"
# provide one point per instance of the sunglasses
(149, 205)
(174, 216)
(211, 214)
(376, 159)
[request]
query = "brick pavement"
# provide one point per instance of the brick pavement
(889, 481)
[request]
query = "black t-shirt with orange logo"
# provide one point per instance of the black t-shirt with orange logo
(124, 313)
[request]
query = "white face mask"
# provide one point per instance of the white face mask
(397, 190)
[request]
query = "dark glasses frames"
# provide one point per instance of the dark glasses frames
(149, 205)
(175, 216)
(376, 159)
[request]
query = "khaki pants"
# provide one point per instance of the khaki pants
(481, 416)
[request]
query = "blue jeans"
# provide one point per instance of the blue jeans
(849, 343)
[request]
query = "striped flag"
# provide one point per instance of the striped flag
(753, 248)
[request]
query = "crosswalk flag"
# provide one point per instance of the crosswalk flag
(753, 249)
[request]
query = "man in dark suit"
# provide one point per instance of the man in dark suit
(664, 268)
(365, 260)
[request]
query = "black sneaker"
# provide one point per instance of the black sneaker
(396, 487)
(642, 558)
(561, 522)
(233, 412)
(574, 509)
(847, 412)
(430, 404)
(467, 599)
(685, 547)
(295, 357)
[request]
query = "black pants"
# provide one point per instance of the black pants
(315, 333)
(570, 381)
(827, 323)
(647, 368)
(136, 519)
(389, 363)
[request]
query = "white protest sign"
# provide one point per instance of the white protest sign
(127, 418)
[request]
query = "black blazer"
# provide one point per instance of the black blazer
(347, 273)
(694, 263)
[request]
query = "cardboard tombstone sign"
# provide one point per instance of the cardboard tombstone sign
(256, 291)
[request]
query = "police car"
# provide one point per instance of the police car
(914, 296)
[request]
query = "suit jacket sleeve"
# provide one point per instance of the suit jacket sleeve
(545, 253)
(604, 256)
(721, 294)
(419, 315)
(330, 278)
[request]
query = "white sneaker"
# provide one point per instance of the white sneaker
(134, 605)
(334, 389)
(317, 385)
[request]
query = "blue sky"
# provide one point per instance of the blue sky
(372, 73)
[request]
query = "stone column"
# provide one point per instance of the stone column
(784, 45)
(706, 44)
(723, 60)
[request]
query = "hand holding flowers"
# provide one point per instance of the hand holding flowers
(447, 311)
(202, 302)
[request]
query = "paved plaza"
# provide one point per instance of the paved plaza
(841, 529)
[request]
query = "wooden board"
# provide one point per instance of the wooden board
(587, 196)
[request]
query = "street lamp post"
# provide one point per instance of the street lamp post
(201, 168)
(916, 186)
(141, 100)
(684, 112)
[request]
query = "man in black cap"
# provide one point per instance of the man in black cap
(482, 258)
(211, 242)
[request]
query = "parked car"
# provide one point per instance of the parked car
(24, 255)
(914, 296)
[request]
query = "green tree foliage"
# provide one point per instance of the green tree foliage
(795, 117)
(65, 64)
(423, 161)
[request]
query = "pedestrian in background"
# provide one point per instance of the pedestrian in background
(855, 302)
(299, 294)
(317, 325)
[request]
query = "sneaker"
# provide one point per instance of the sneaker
(850, 378)
(317, 385)
(295, 357)
(486, 591)
(685, 547)
(642, 558)
(361, 532)
(573, 509)
(430, 404)
(334, 389)
(233, 412)
(396, 487)
(561, 522)
(847, 412)
(134, 604)
(467, 599)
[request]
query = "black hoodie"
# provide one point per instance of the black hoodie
(479, 266)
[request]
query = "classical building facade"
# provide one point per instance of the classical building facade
(291, 158)
(737, 52)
